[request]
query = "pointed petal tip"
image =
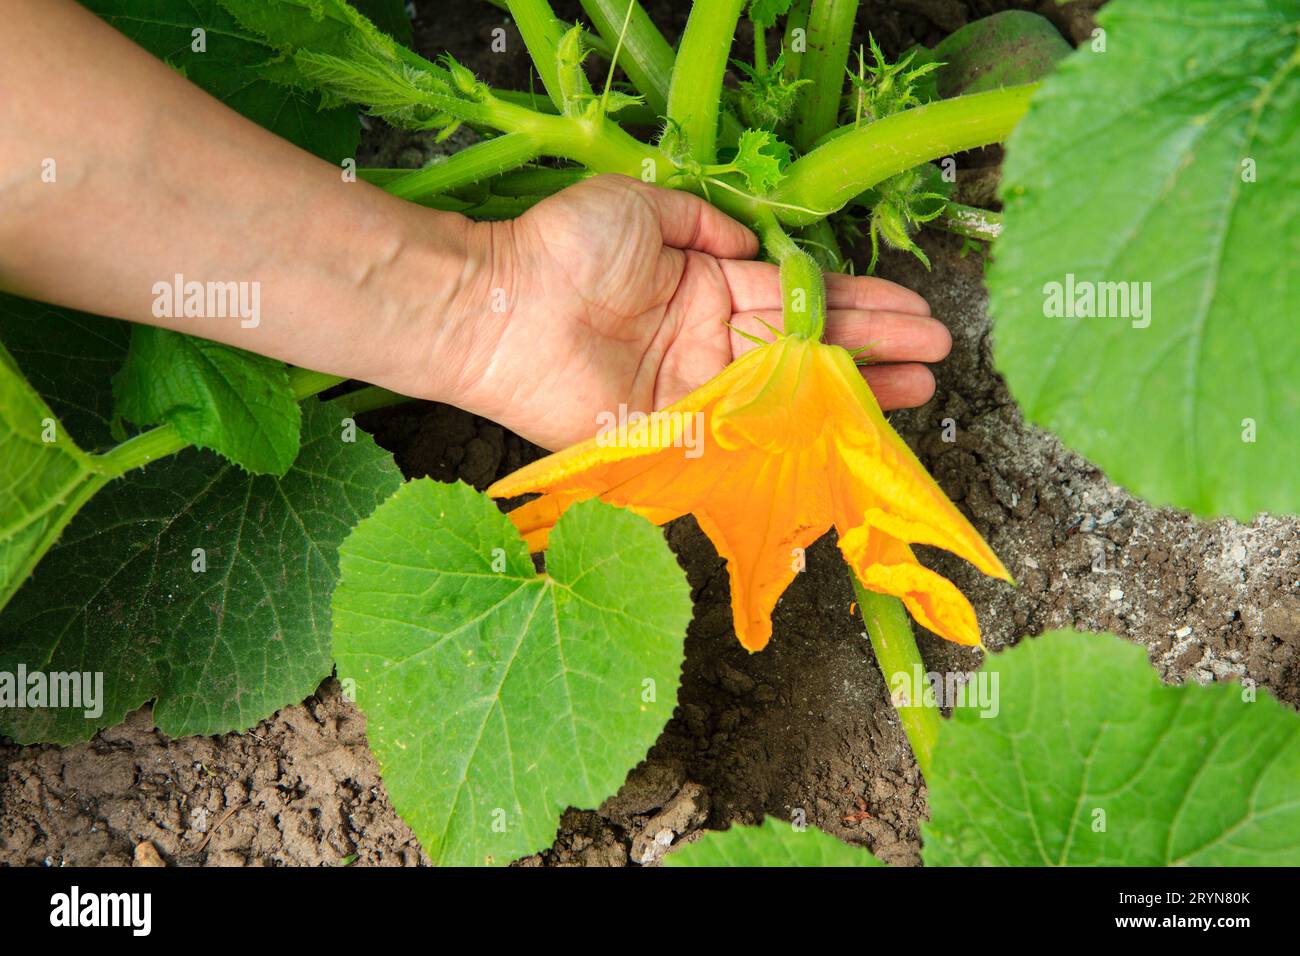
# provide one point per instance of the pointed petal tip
(754, 641)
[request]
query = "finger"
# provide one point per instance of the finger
(889, 336)
(886, 336)
(688, 222)
(900, 386)
(868, 292)
(757, 286)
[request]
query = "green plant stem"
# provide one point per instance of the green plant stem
(695, 94)
(370, 398)
(480, 161)
(890, 631)
(760, 49)
(645, 57)
(970, 221)
(165, 440)
(821, 243)
(803, 287)
(849, 164)
(796, 19)
(542, 32)
(830, 35)
(537, 181)
(139, 451)
(590, 40)
(306, 383)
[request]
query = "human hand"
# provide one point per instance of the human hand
(614, 292)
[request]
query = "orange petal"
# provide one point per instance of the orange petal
(771, 410)
(582, 465)
(884, 486)
(761, 518)
(887, 566)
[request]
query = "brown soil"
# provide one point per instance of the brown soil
(805, 725)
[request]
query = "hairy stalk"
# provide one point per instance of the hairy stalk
(890, 631)
(847, 165)
(695, 94)
(803, 288)
(970, 221)
(477, 162)
(541, 31)
(138, 451)
(830, 35)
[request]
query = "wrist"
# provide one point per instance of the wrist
(465, 321)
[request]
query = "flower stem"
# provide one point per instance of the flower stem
(890, 631)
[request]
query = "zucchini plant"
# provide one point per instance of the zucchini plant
(496, 694)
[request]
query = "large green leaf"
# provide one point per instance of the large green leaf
(44, 477)
(231, 401)
(1090, 760)
(232, 68)
(774, 843)
(69, 357)
(219, 648)
(495, 697)
(1168, 159)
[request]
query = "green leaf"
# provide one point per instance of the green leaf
(231, 401)
(219, 649)
(1167, 161)
(774, 843)
(761, 158)
(233, 69)
(764, 13)
(496, 697)
(1090, 760)
(69, 357)
(44, 477)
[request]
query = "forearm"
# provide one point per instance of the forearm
(117, 175)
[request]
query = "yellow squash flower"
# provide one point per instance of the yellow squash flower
(794, 442)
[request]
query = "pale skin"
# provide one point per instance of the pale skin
(609, 293)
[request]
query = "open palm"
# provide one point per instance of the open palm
(619, 293)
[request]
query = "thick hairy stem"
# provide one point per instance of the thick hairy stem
(803, 288)
(849, 164)
(970, 221)
(890, 631)
(478, 162)
(695, 95)
(830, 34)
(541, 31)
